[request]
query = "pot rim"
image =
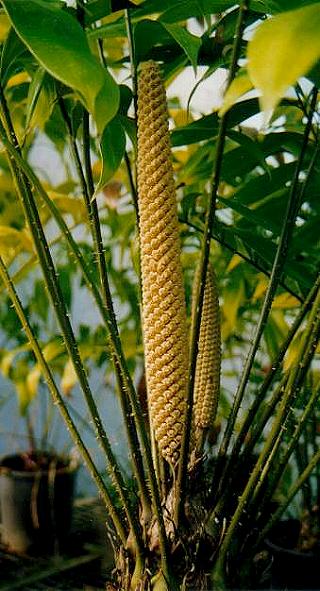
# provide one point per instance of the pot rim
(71, 467)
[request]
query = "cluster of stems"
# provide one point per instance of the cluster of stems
(182, 374)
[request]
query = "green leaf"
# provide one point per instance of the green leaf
(180, 11)
(263, 186)
(41, 99)
(13, 55)
(58, 42)
(233, 297)
(96, 10)
(238, 87)
(274, 6)
(147, 34)
(106, 103)
(207, 127)
(252, 147)
(69, 378)
(197, 131)
(189, 43)
(275, 332)
(282, 50)
(252, 217)
(112, 148)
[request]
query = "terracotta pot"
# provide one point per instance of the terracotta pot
(36, 505)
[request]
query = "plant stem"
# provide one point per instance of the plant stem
(58, 399)
(132, 57)
(244, 257)
(312, 400)
(116, 344)
(180, 491)
(260, 396)
(132, 187)
(54, 290)
(88, 188)
(277, 269)
(292, 491)
(307, 345)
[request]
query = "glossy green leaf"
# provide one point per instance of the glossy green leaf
(275, 6)
(189, 43)
(282, 50)
(13, 56)
(112, 148)
(41, 99)
(265, 185)
(253, 148)
(60, 45)
(275, 332)
(96, 10)
(147, 34)
(207, 127)
(238, 87)
(252, 216)
(202, 129)
(184, 9)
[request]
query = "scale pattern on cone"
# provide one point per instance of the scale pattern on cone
(163, 299)
(207, 377)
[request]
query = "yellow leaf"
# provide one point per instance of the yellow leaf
(285, 300)
(52, 350)
(238, 87)
(18, 79)
(24, 397)
(283, 49)
(260, 289)
(292, 353)
(4, 27)
(233, 297)
(73, 206)
(10, 238)
(235, 261)
(69, 378)
(6, 363)
(32, 381)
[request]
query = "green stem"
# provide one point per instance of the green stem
(115, 343)
(54, 290)
(88, 188)
(294, 438)
(244, 257)
(291, 493)
(261, 394)
(132, 186)
(180, 492)
(277, 269)
(271, 440)
(58, 399)
(132, 57)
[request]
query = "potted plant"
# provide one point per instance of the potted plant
(199, 498)
(36, 500)
(36, 483)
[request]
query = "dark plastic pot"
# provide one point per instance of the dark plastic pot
(36, 506)
(290, 568)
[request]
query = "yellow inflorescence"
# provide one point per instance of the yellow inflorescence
(164, 313)
(207, 378)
